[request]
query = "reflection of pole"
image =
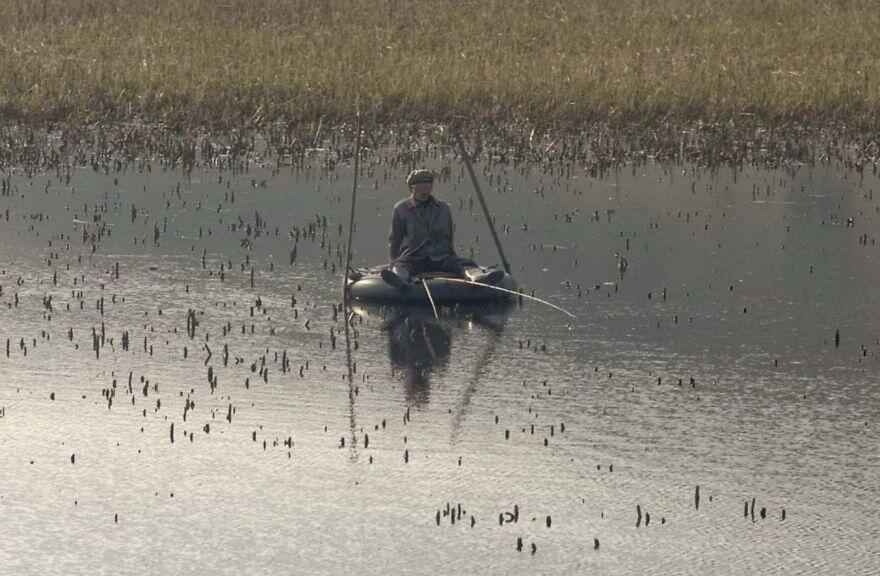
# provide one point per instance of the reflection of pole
(470, 170)
(357, 155)
(488, 353)
(352, 421)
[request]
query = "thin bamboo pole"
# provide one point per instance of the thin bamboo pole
(357, 156)
(485, 208)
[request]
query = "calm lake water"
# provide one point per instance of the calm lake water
(738, 353)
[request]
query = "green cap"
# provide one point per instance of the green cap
(420, 175)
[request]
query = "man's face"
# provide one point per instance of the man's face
(421, 191)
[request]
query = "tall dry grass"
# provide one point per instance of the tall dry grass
(219, 62)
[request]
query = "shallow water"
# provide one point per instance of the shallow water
(711, 362)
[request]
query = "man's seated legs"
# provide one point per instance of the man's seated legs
(468, 269)
(398, 273)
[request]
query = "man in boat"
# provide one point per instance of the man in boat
(421, 238)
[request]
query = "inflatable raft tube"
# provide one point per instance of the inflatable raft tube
(423, 311)
(368, 286)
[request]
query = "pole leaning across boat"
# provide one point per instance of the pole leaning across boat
(470, 169)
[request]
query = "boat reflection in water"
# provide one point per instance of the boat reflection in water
(419, 344)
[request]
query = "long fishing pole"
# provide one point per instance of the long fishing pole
(521, 295)
(357, 156)
(485, 208)
(345, 299)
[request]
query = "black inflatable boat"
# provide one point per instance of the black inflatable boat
(367, 285)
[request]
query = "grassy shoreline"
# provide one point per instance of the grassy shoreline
(553, 64)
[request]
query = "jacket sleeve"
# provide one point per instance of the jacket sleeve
(395, 236)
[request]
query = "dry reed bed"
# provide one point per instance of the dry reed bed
(551, 64)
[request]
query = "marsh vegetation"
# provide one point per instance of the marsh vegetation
(550, 63)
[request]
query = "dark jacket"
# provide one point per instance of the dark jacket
(421, 230)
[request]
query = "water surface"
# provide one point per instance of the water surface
(738, 353)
